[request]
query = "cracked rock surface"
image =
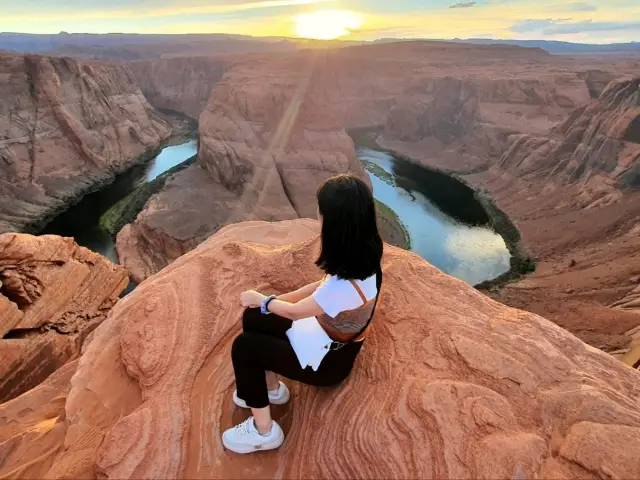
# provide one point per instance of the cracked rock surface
(53, 293)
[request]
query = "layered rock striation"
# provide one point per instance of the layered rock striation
(463, 123)
(598, 146)
(275, 127)
(66, 127)
(464, 387)
(52, 295)
(181, 84)
(574, 195)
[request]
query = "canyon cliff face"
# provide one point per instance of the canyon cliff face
(598, 146)
(574, 194)
(52, 295)
(275, 127)
(66, 127)
(263, 152)
(181, 84)
(463, 123)
(467, 387)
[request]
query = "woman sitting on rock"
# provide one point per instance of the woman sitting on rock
(314, 334)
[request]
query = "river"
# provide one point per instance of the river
(82, 221)
(473, 253)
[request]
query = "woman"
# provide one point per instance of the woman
(313, 334)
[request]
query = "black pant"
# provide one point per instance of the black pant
(264, 346)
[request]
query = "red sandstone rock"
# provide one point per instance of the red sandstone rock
(182, 84)
(52, 295)
(66, 127)
(543, 182)
(274, 127)
(33, 427)
(598, 146)
(449, 114)
(463, 386)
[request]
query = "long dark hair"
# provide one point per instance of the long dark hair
(351, 244)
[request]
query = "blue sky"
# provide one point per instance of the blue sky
(588, 21)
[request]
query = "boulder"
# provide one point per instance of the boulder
(450, 384)
(53, 293)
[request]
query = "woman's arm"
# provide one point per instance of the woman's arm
(304, 308)
(300, 294)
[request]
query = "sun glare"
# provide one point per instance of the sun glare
(327, 24)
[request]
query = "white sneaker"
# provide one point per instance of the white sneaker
(277, 397)
(245, 438)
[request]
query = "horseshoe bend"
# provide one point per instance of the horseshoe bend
(147, 184)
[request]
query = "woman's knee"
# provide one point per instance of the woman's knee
(249, 317)
(241, 344)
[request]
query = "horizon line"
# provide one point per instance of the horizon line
(63, 33)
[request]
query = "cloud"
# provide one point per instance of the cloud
(187, 8)
(564, 26)
(579, 7)
(462, 4)
(533, 25)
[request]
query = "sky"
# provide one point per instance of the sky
(586, 21)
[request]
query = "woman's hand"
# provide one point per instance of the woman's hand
(251, 298)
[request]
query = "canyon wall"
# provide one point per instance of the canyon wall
(267, 139)
(275, 127)
(584, 226)
(52, 295)
(465, 387)
(597, 146)
(182, 84)
(66, 127)
(573, 192)
(464, 122)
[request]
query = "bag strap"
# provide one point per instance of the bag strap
(359, 290)
(360, 335)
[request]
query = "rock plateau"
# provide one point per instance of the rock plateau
(66, 127)
(450, 384)
(52, 295)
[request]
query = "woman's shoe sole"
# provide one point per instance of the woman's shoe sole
(244, 449)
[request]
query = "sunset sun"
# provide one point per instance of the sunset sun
(327, 24)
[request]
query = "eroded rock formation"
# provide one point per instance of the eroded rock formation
(66, 127)
(463, 123)
(464, 386)
(182, 84)
(263, 151)
(574, 194)
(52, 295)
(275, 127)
(449, 115)
(598, 146)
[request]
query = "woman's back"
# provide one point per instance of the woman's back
(347, 304)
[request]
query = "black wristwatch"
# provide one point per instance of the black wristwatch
(264, 308)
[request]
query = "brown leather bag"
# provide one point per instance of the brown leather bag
(341, 339)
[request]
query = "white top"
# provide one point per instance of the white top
(335, 295)
(307, 337)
